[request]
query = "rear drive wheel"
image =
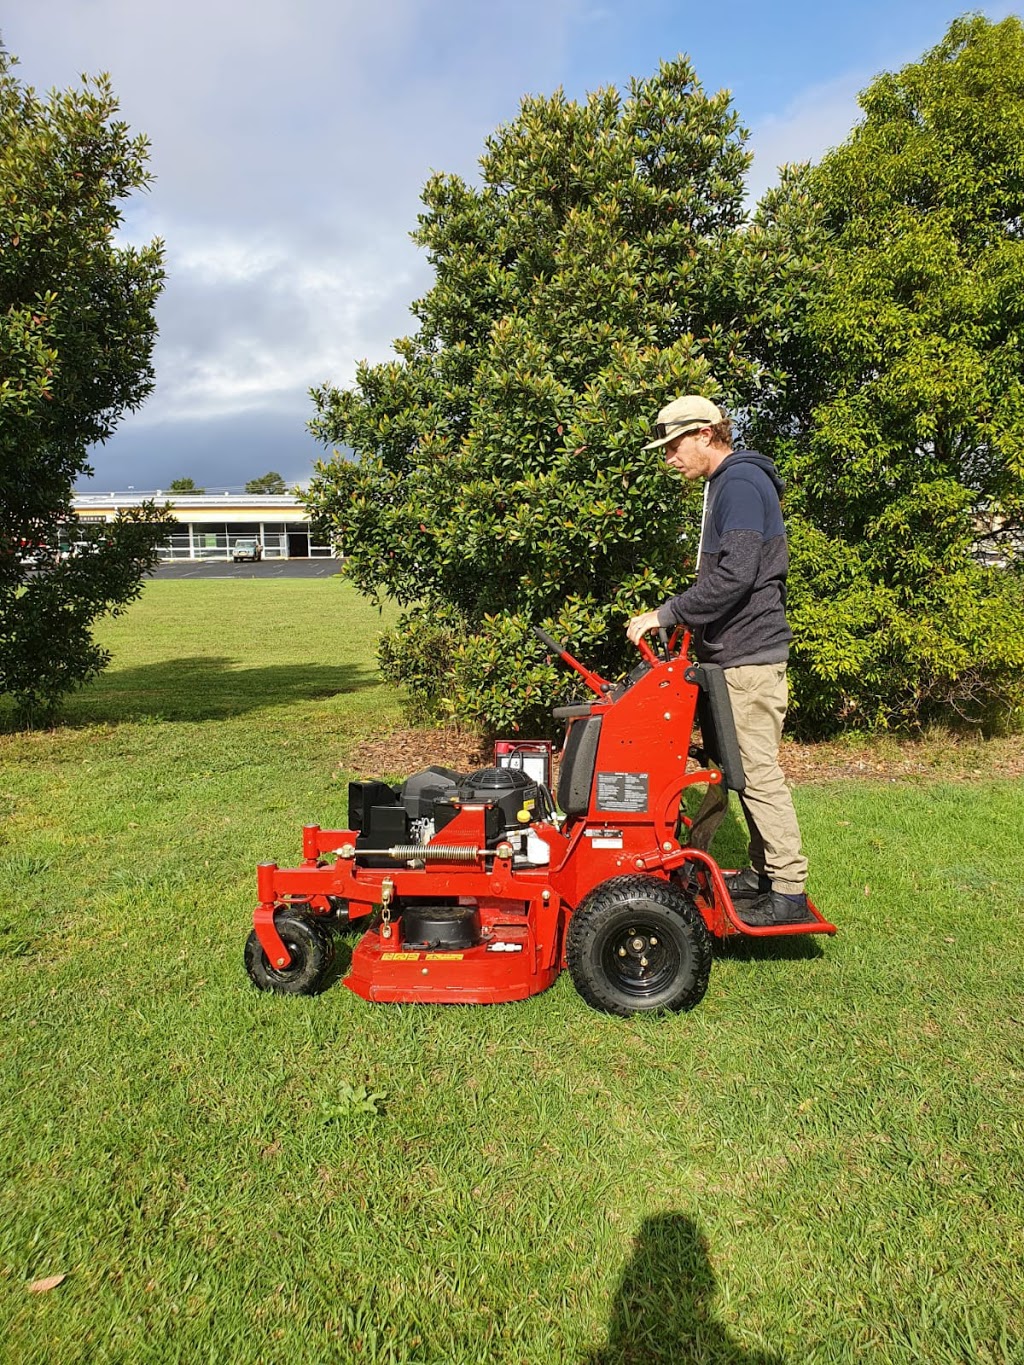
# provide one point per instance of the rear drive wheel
(638, 945)
(311, 946)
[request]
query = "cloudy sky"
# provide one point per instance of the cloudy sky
(291, 139)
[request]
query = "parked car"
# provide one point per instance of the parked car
(247, 549)
(33, 554)
(80, 547)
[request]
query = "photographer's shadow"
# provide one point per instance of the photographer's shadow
(663, 1312)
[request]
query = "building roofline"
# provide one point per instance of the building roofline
(194, 500)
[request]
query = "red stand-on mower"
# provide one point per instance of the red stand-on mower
(479, 889)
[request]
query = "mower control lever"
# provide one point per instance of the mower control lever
(646, 652)
(593, 680)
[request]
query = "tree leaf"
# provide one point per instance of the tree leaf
(44, 1286)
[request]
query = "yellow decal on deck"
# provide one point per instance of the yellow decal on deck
(400, 957)
(443, 957)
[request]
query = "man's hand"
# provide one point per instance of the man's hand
(638, 626)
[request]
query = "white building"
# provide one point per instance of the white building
(209, 524)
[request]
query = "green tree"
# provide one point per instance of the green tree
(267, 483)
(185, 485)
(76, 337)
(497, 479)
(895, 405)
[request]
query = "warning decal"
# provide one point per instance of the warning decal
(622, 791)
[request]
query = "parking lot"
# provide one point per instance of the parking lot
(266, 568)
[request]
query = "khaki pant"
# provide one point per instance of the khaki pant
(760, 694)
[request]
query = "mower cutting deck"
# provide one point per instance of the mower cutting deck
(480, 888)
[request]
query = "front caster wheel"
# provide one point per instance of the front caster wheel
(638, 945)
(311, 947)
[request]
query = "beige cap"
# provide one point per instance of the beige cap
(689, 413)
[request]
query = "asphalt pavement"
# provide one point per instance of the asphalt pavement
(266, 568)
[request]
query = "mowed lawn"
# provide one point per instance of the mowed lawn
(823, 1162)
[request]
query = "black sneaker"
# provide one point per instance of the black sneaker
(747, 885)
(774, 908)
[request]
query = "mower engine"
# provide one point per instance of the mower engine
(402, 822)
(417, 811)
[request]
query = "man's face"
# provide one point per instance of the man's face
(689, 454)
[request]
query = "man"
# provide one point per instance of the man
(736, 611)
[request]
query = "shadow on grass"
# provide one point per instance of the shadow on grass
(663, 1312)
(781, 948)
(204, 688)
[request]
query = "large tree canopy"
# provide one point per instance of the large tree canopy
(865, 329)
(894, 336)
(76, 336)
(497, 479)
(271, 482)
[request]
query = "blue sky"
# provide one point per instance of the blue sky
(291, 138)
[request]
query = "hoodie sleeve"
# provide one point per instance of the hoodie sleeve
(740, 522)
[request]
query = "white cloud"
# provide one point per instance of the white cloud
(818, 119)
(290, 140)
(247, 323)
(229, 260)
(821, 116)
(249, 326)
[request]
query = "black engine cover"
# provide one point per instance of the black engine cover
(362, 797)
(383, 827)
(423, 790)
(510, 789)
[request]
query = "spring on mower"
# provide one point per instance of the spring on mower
(428, 853)
(435, 853)
(421, 852)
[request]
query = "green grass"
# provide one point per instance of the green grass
(821, 1163)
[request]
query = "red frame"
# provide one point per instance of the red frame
(645, 733)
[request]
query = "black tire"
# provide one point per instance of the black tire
(311, 945)
(638, 945)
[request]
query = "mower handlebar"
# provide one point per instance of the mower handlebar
(570, 712)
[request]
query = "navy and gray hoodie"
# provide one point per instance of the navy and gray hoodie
(737, 606)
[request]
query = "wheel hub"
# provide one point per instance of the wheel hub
(640, 961)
